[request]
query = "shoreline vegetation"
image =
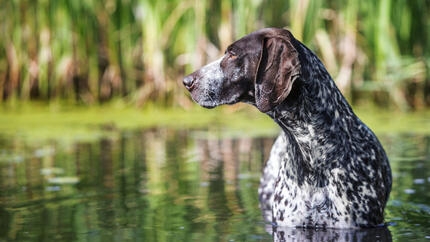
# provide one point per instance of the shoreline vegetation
(94, 52)
(35, 122)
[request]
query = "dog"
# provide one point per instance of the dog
(326, 169)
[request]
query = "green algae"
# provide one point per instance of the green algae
(44, 122)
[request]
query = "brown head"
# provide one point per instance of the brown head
(259, 68)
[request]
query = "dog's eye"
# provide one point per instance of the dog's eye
(231, 55)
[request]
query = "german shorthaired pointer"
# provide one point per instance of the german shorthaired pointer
(326, 169)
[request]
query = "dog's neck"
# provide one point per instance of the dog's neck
(319, 113)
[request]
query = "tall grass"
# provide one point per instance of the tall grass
(138, 50)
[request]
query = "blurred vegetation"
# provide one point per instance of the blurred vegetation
(138, 50)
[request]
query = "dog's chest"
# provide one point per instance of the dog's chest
(308, 205)
(302, 205)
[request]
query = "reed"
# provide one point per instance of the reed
(138, 50)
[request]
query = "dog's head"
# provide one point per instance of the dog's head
(259, 69)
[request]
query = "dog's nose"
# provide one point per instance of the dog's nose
(188, 81)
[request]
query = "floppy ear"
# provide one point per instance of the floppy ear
(278, 68)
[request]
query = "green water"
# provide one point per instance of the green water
(176, 185)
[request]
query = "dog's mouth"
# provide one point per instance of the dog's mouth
(208, 106)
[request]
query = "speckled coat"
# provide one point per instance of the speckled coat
(326, 169)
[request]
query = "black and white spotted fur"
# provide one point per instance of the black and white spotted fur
(327, 168)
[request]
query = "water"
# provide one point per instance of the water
(169, 185)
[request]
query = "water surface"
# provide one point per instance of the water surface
(177, 185)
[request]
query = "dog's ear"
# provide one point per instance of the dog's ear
(279, 66)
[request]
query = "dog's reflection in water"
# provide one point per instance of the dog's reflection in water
(381, 234)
